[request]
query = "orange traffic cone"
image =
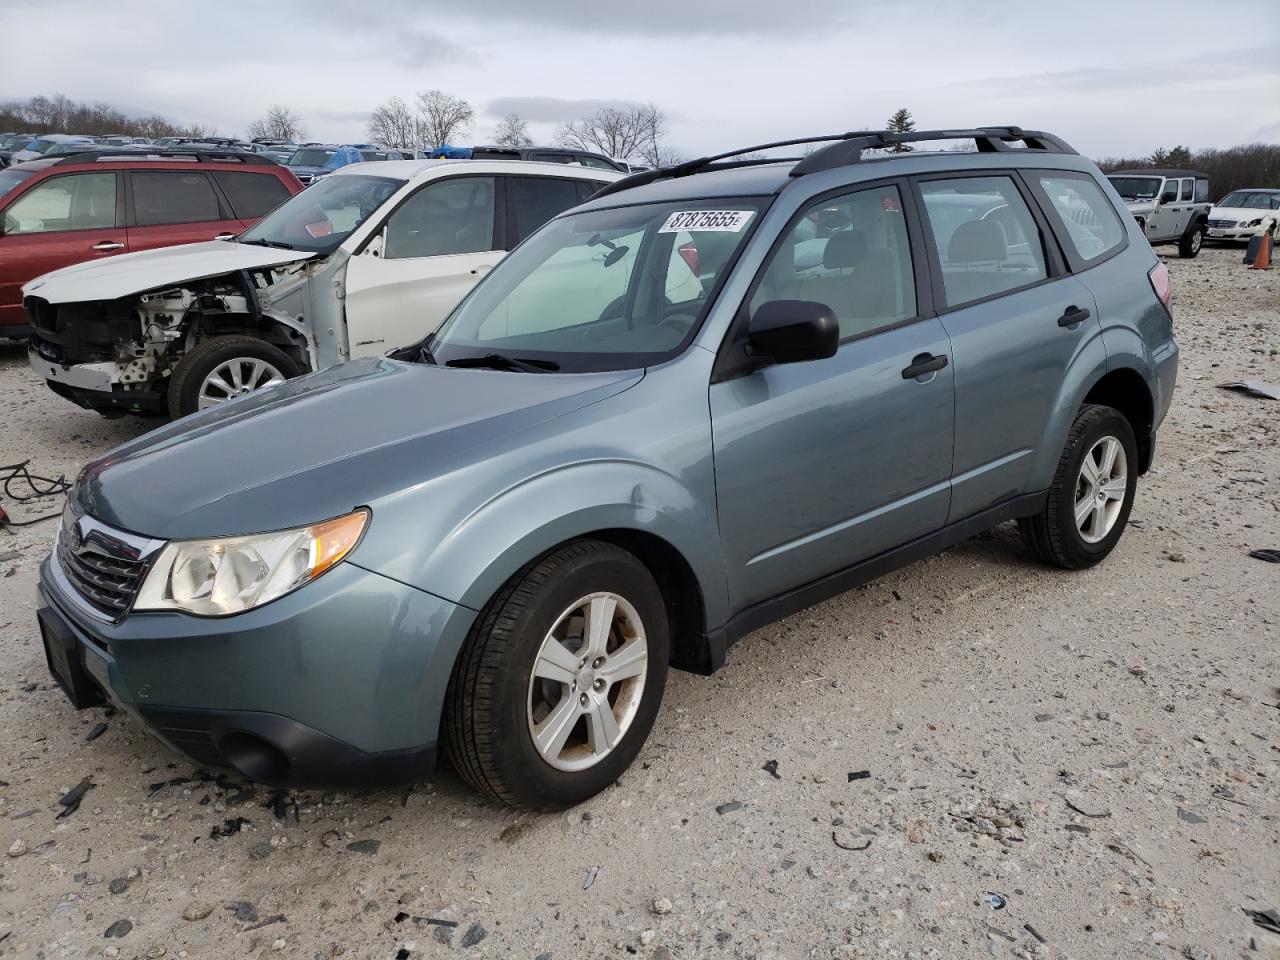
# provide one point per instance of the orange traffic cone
(1262, 259)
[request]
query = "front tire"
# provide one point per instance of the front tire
(1189, 243)
(560, 680)
(222, 368)
(1091, 494)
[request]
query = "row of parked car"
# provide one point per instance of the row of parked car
(588, 428)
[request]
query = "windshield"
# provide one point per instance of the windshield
(323, 215)
(602, 290)
(10, 177)
(310, 158)
(40, 146)
(1136, 188)
(1251, 200)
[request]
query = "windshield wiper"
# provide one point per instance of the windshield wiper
(500, 361)
(269, 243)
(414, 353)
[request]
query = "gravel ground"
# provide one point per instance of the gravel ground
(1061, 765)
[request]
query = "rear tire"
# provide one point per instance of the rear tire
(1089, 502)
(1189, 243)
(243, 363)
(536, 714)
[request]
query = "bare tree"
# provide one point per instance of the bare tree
(442, 117)
(58, 114)
(512, 132)
(280, 123)
(621, 133)
(395, 125)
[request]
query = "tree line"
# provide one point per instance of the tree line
(1235, 168)
(59, 114)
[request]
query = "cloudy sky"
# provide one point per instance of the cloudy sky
(1113, 78)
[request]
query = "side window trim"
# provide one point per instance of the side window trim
(726, 367)
(1055, 264)
(120, 205)
(1075, 263)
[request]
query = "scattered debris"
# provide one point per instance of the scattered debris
(1094, 815)
(1034, 932)
(18, 848)
(994, 900)
(835, 838)
(70, 801)
(274, 918)
(729, 807)
(591, 878)
(771, 768)
(118, 885)
(244, 911)
(1186, 816)
(261, 850)
(228, 828)
(1268, 920)
(1254, 388)
(97, 730)
(368, 847)
(475, 933)
(196, 911)
(859, 775)
(118, 929)
(661, 906)
(1269, 555)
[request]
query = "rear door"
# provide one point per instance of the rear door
(1016, 320)
(428, 254)
(57, 222)
(168, 207)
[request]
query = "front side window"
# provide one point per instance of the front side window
(538, 199)
(850, 253)
(1088, 219)
(448, 217)
(1136, 188)
(80, 201)
(310, 157)
(172, 196)
(323, 215)
(603, 289)
(986, 239)
(1170, 192)
(1188, 190)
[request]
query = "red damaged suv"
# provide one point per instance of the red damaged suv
(66, 210)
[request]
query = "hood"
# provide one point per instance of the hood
(115, 277)
(321, 445)
(1140, 206)
(1242, 213)
(304, 169)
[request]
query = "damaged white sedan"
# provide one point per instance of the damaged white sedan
(373, 257)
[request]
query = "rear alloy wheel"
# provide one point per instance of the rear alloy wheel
(1191, 242)
(1092, 492)
(222, 368)
(560, 681)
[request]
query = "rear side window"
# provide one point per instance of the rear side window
(1202, 191)
(537, 199)
(80, 201)
(985, 236)
(849, 252)
(251, 194)
(173, 196)
(1188, 190)
(1090, 223)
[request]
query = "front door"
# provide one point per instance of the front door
(822, 464)
(56, 223)
(434, 247)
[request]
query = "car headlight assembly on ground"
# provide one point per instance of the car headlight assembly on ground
(214, 578)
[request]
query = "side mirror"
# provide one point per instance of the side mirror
(793, 331)
(1169, 196)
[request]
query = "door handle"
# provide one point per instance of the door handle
(107, 245)
(225, 236)
(1073, 316)
(924, 363)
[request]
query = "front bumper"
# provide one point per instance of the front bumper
(1244, 234)
(339, 684)
(90, 385)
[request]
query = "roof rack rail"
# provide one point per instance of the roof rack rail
(187, 156)
(846, 149)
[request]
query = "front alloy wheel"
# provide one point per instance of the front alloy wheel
(560, 680)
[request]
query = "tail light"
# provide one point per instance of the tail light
(689, 254)
(1159, 277)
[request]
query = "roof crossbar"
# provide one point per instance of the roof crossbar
(186, 156)
(847, 148)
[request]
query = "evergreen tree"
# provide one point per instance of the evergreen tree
(901, 122)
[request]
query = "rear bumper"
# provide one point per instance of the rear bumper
(15, 331)
(339, 684)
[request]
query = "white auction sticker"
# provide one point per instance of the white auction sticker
(722, 221)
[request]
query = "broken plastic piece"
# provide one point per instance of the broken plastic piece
(994, 900)
(1270, 556)
(859, 775)
(1034, 932)
(771, 768)
(1266, 919)
(1255, 388)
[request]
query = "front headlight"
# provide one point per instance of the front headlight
(212, 578)
(1254, 223)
